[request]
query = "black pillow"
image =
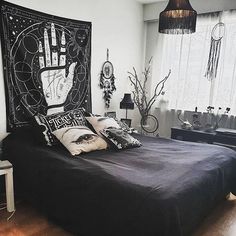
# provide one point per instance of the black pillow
(119, 139)
(60, 120)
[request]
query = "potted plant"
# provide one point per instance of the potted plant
(140, 98)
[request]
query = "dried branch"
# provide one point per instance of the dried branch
(140, 93)
(154, 97)
(139, 88)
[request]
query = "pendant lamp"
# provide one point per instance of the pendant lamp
(178, 18)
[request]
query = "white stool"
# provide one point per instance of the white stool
(7, 170)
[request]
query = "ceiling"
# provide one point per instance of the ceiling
(149, 1)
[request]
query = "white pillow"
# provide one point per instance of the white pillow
(79, 139)
(100, 123)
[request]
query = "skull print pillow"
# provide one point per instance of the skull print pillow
(79, 139)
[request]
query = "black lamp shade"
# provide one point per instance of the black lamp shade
(178, 18)
(127, 102)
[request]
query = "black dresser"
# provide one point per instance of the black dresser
(220, 138)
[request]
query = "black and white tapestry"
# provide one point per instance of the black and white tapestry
(46, 63)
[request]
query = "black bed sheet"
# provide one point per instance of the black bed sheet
(163, 188)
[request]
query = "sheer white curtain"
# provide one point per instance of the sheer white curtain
(187, 57)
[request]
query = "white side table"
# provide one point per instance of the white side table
(7, 170)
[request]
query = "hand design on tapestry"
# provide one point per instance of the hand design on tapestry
(56, 85)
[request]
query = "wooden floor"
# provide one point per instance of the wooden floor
(221, 222)
(28, 222)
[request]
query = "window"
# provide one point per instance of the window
(187, 57)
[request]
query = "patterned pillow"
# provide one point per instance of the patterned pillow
(125, 127)
(100, 122)
(79, 139)
(120, 123)
(120, 139)
(59, 120)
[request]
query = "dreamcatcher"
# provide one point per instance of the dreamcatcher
(107, 80)
(217, 34)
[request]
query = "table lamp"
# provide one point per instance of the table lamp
(127, 103)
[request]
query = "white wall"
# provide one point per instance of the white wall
(152, 11)
(117, 25)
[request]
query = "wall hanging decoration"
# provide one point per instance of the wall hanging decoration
(217, 35)
(178, 18)
(149, 123)
(107, 80)
(46, 63)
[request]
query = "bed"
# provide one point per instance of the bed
(166, 187)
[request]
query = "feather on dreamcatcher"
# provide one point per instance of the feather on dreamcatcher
(107, 80)
(217, 35)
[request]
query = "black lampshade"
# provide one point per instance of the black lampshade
(127, 102)
(178, 18)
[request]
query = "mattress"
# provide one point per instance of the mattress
(166, 187)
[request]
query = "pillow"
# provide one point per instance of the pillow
(79, 139)
(99, 123)
(125, 127)
(56, 121)
(120, 139)
(120, 123)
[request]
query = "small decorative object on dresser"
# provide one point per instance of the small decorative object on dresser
(209, 124)
(214, 120)
(185, 124)
(218, 117)
(196, 120)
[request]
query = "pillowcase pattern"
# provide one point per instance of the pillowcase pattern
(100, 123)
(60, 120)
(120, 139)
(122, 125)
(125, 127)
(79, 139)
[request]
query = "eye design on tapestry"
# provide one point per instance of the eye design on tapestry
(107, 80)
(46, 61)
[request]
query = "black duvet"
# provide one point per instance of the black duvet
(163, 188)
